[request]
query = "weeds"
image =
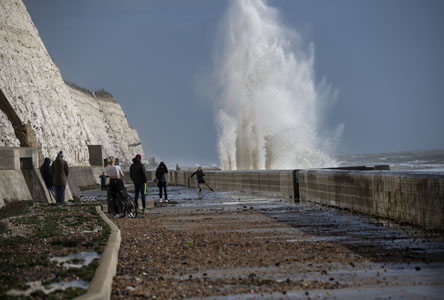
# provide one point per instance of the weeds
(15, 208)
(47, 231)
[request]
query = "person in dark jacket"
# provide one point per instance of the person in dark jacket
(45, 171)
(60, 171)
(161, 180)
(200, 179)
(103, 178)
(138, 176)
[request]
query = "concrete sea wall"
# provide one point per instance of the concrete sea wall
(272, 183)
(414, 198)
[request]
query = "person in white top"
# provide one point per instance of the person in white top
(115, 185)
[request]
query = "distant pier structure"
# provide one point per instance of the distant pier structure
(152, 164)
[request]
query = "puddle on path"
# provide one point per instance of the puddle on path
(78, 260)
(37, 286)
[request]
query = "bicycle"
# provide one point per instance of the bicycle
(129, 208)
(125, 202)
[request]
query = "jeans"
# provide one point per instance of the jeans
(60, 194)
(139, 188)
(162, 185)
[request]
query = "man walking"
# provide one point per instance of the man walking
(60, 171)
(138, 176)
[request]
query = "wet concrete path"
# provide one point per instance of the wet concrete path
(227, 246)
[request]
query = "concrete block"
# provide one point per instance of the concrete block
(9, 162)
(96, 155)
(16, 158)
(13, 187)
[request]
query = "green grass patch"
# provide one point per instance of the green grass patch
(46, 228)
(65, 243)
(3, 227)
(50, 227)
(86, 273)
(15, 208)
(28, 220)
(8, 282)
(10, 262)
(69, 293)
(105, 233)
(13, 241)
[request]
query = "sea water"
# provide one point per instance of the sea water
(423, 160)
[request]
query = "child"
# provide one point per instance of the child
(103, 181)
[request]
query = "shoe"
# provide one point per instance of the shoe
(160, 200)
(211, 189)
(166, 201)
(117, 216)
(200, 190)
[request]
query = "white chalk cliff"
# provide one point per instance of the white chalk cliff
(107, 124)
(40, 110)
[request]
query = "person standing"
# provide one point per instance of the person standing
(60, 171)
(45, 171)
(161, 180)
(138, 176)
(115, 186)
(200, 179)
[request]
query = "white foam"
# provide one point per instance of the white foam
(270, 114)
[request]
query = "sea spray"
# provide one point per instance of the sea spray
(270, 109)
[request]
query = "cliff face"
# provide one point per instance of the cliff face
(107, 124)
(39, 110)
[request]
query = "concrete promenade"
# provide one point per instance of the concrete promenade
(228, 246)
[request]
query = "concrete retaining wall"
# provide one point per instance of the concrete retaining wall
(415, 198)
(13, 187)
(272, 183)
(97, 171)
(80, 177)
(36, 185)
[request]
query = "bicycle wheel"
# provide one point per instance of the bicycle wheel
(128, 205)
(132, 206)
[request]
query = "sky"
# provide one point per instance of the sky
(384, 58)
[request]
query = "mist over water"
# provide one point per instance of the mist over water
(269, 105)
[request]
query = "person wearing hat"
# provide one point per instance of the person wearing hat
(60, 171)
(138, 176)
